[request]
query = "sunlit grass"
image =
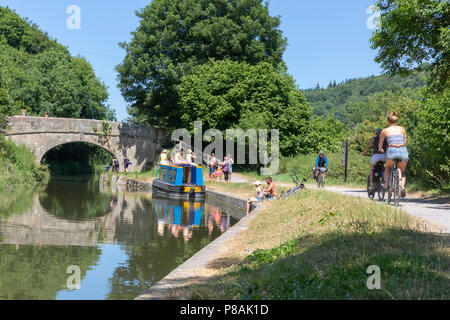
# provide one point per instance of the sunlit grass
(318, 245)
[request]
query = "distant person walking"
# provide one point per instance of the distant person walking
(396, 139)
(226, 168)
(126, 163)
(115, 165)
(230, 162)
(24, 113)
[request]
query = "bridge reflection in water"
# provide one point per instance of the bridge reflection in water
(137, 239)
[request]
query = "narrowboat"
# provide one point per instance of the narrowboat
(179, 181)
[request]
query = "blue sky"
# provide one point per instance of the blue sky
(327, 40)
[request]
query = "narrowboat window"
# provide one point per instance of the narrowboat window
(172, 175)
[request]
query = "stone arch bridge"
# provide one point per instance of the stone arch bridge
(139, 144)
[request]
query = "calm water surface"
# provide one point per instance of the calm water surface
(121, 242)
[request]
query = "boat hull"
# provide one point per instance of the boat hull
(177, 192)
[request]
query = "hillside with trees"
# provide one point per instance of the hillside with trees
(340, 98)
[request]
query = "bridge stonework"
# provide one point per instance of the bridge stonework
(139, 144)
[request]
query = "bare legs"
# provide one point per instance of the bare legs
(387, 171)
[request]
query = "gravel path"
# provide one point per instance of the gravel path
(434, 210)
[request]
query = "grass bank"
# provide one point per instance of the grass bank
(19, 173)
(319, 245)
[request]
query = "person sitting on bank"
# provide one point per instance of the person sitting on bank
(271, 192)
(259, 195)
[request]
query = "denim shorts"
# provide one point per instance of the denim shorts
(377, 157)
(212, 169)
(397, 153)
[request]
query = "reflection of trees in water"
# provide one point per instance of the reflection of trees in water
(20, 205)
(38, 273)
(75, 200)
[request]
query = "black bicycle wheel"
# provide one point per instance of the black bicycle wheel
(321, 180)
(371, 195)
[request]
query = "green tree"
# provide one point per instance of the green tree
(176, 36)
(39, 75)
(414, 32)
(325, 133)
(433, 140)
(227, 94)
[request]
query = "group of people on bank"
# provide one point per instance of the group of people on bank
(220, 170)
(177, 158)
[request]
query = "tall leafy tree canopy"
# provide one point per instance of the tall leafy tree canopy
(224, 94)
(39, 75)
(413, 32)
(176, 36)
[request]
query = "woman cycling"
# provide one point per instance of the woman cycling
(396, 139)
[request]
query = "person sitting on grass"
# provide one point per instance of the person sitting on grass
(271, 192)
(259, 195)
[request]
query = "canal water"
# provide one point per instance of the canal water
(117, 244)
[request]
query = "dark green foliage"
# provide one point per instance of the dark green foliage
(325, 133)
(432, 148)
(18, 172)
(39, 75)
(227, 94)
(176, 36)
(414, 32)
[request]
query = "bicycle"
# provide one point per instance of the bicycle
(395, 184)
(321, 178)
(299, 186)
(378, 180)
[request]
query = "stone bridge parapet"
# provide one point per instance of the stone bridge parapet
(139, 144)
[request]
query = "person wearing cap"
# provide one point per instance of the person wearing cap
(259, 195)
(321, 163)
(163, 158)
(377, 156)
